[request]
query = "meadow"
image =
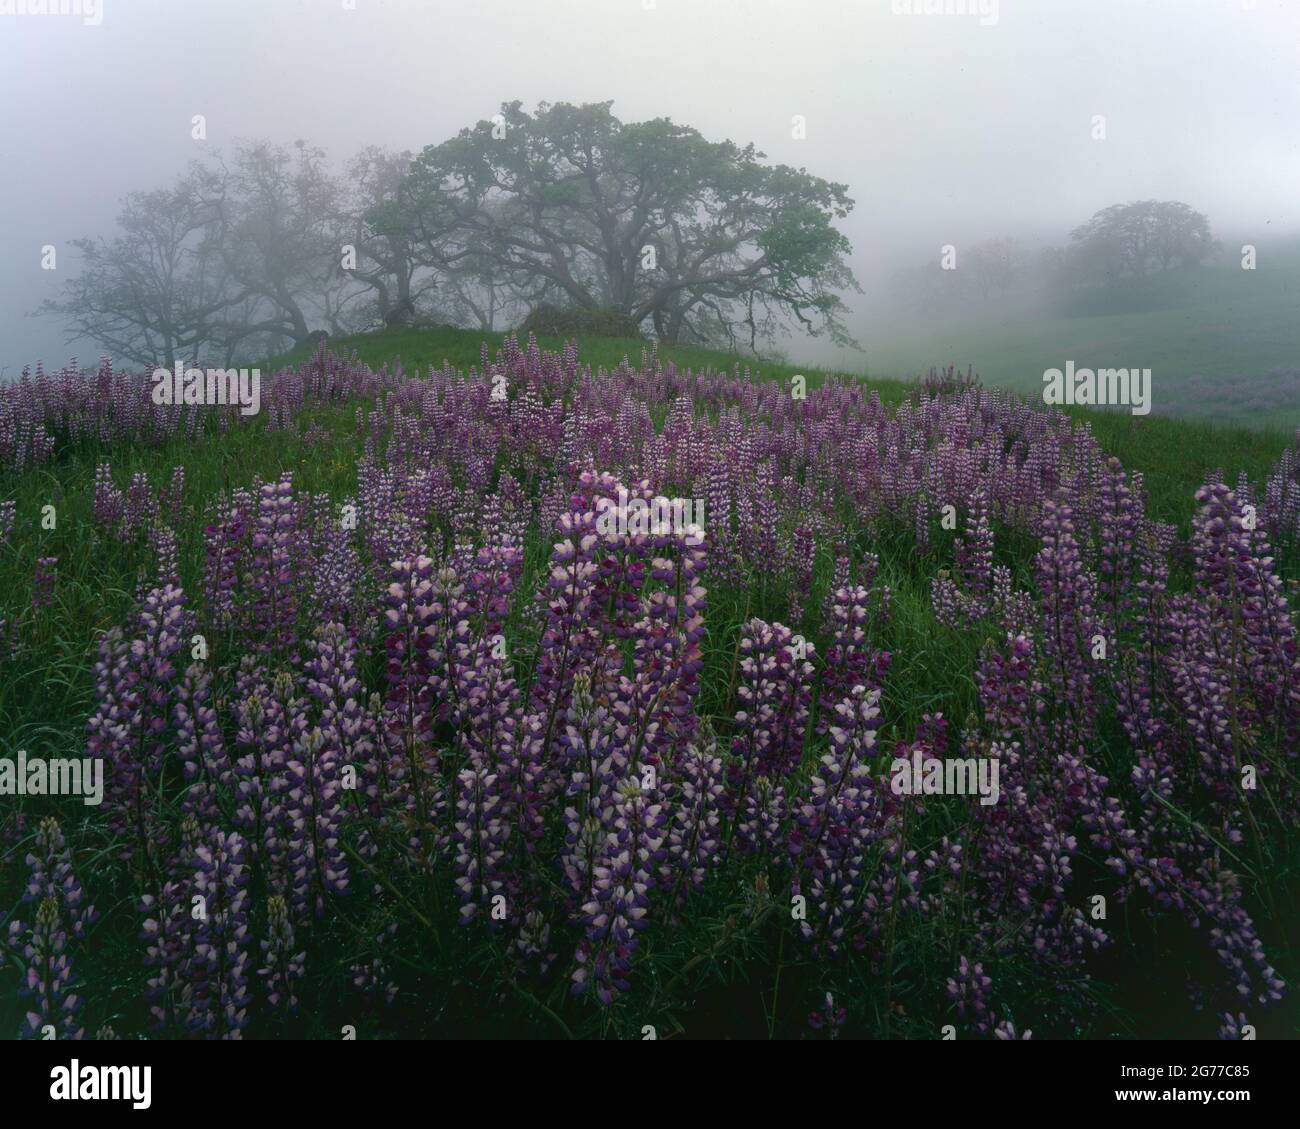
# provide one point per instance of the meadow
(1223, 344)
(401, 738)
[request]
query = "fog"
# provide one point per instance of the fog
(947, 128)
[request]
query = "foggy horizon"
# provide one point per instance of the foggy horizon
(946, 130)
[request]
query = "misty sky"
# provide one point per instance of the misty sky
(946, 129)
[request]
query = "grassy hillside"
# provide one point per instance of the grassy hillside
(417, 349)
(1211, 337)
(728, 965)
(1174, 454)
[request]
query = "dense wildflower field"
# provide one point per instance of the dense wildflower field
(537, 699)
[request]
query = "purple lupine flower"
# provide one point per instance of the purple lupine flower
(272, 576)
(339, 575)
(850, 659)
(43, 584)
(49, 978)
(480, 836)
(141, 508)
(348, 726)
(168, 933)
(110, 503)
(1015, 609)
(224, 545)
(1008, 688)
(837, 823)
(1120, 522)
(1070, 622)
(52, 876)
(263, 744)
(173, 495)
(163, 542)
(283, 968)
(718, 496)
(1006, 1032)
(921, 523)
(47, 944)
(619, 901)
(1230, 1028)
(802, 555)
(597, 764)
(313, 814)
(200, 745)
(135, 687)
(1234, 564)
(409, 767)
(8, 511)
(975, 550)
(828, 1017)
(950, 605)
(373, 980)
(969, 992)
(695, 832)
(774, 695)
(760, 819)
(491, 578)
(526, 785)
(667, 653)
(219, 1004)
(839, 582)
(570, 641)
(533, 944)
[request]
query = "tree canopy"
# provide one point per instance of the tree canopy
(566, 208)
(1134, 240)
(649, 219)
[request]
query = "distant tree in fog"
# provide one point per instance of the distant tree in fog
(1135, 240)
(159, 290)
(996, 266)
(377, 224)
(275, 228)
(566, 207)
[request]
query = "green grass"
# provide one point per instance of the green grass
(418, 349)
(1215, 322)
(45, 699)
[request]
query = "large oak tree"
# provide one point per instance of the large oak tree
(699, 238)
